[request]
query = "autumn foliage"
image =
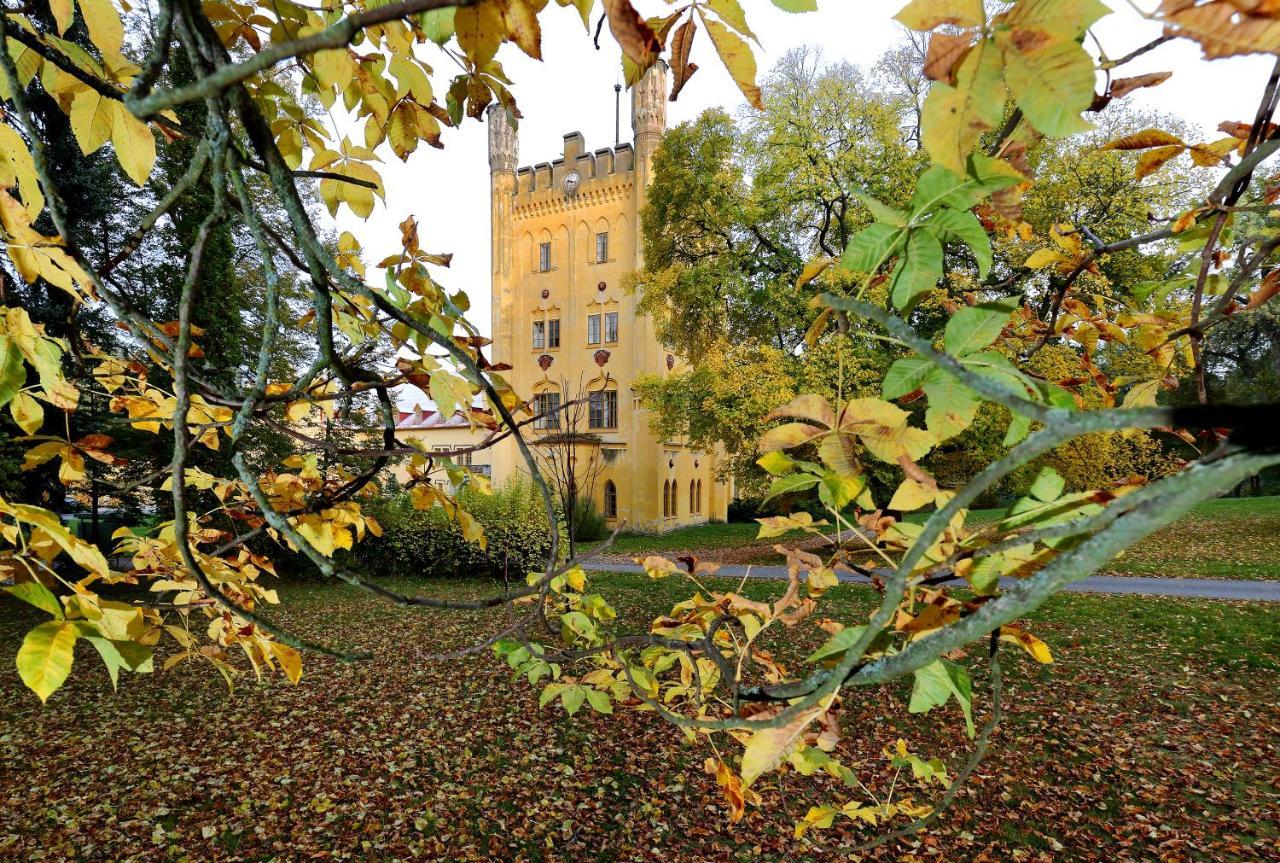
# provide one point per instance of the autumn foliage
(1001, 82)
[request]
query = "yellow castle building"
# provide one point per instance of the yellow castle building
(565, 233)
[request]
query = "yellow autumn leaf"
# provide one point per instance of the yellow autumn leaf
(882, 428)
(927, 14)
(1153, 160)
(911, 495)
(954, 117)
(1041, 258)
(18, 169)
(736, 55)
(1037, 649)
(766, 748)
(812, 270)
(63, 13)
(44, 660)
(93, 118)
(134, 144)
(289, 659)
(104, 26)
(577, 579)
(27, 413)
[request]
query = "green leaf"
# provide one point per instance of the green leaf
(836, 644)
(789, 484)
(549, 692)
(918, 270)
(116, 655)
(730, 12)
(871, 247)
(44, 660)
(1047, 486)
(838, 490)
(938, 682)
(984, 575)
(972, 328)
(952, 405)
(572, 698)
(776, 463)
(882, 212)
(12, 375)
(599, 701)
(962, 226)
(35, 593)
(905, 376)
(998, 369)
(1053, 84)
(1019, 426)
(797, 5)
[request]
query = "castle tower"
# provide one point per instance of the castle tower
(565, 234)
(503, 152)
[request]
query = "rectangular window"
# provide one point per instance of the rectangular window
(602, 410)
(611, 327)
(553, 333)
(544, 258)
(602, 248)
(463, 459)
(547, 408)
(593, 329)
(539, 335)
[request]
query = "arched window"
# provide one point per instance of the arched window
(666, 499)
(675, 499)
(699, 496)
(610, 499)
(693, 501)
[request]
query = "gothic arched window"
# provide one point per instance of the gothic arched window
(610, 499)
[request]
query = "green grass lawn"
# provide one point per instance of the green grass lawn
(1151, 737)
(703, 536)
(1224, 538)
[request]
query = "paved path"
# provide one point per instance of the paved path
(1199, 588)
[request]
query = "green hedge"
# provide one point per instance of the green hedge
(426, 543)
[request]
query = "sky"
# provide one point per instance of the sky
(448, 190)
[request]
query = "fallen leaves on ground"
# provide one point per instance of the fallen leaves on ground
(1144, 741)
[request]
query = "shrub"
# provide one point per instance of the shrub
(588, 523)
(427, 543)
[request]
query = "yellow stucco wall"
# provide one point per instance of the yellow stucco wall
(450, 438)
(532, 206)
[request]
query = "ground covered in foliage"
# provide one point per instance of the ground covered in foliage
(1154, 736)
(1226, 538)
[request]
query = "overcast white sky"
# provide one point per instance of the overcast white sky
(448, 190)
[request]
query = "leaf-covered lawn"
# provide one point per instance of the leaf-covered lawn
(1152, 737)
(1225, 538)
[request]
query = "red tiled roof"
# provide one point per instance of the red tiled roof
(425, 418)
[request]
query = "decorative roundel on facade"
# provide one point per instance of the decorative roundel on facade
(572, 181)
(671, 463)
(545, 361)
(545, 293)
(601, 286)
(671, 362)
(602, 357)
(695, 464)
